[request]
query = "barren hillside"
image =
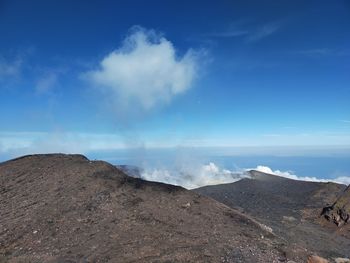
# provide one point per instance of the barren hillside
(65, 208)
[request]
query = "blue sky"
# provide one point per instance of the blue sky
(81, 76)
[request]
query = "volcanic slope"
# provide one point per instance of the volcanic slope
(65, 208)
(291, 208)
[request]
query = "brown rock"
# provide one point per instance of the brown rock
(339, 212)
(316, 259)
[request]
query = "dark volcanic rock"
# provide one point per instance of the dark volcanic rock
(65, 208)
(339, 212)
(291, 208)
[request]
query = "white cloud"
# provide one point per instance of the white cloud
(145, 71)
(193, 176)
(291, 175)
(342, 180)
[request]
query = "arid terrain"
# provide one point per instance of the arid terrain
(291, 208)
(65, 208)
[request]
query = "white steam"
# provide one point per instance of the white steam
(145, 71)
(192, 177)
(289, 174)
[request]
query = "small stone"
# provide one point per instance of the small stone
(342, 260)
(187, 205)
(316, 259)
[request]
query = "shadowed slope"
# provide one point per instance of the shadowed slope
(292, 208)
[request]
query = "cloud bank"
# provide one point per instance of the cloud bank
(291, 175)
(144, 71)
(192, 177)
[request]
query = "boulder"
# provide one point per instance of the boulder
(339, 212)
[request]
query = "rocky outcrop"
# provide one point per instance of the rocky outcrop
(339, 212)
(291, 208)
